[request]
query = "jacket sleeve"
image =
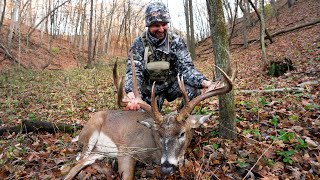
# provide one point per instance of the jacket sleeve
(184, 65)
(138, 50)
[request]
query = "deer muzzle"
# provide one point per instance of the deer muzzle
(167, 168)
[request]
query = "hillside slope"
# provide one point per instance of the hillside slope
(302, 46)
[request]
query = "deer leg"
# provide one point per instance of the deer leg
(126, 166)
(81, 164)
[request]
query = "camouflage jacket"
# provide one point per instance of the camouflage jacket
(179, 57)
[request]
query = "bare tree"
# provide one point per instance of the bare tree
(192, 40)
(201, 20)
(98, 32)
(219, 37)
(262, 30)
(78, 14)
(114, 2)
(89, 64)
(123, 21)
(228, 11)
(44, 18)
(274, 7)
(186, 13)
(82, 26)
(275, 12)
(233, 22)
(3, 12)
(245, 23)
(256, 10)
(14, 19)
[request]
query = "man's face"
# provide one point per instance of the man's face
(159, 29)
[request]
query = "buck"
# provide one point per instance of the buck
(145, 136)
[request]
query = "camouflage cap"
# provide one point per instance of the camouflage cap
(156, 12)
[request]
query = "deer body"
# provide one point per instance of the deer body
(146, 136)
(111, 133)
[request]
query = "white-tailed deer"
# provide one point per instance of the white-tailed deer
(145, 136)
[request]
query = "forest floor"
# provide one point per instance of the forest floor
(277, 126)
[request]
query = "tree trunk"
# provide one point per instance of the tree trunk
(77, 12)
(22, 16)
(233, 23)
(244, 24)
(228, 11)
(256, 10)
(98, 33)
(13, 23)
(274, 9)
(89, 64)
(192, 39)
(219, 36)
(114, 2)
(186, 13)
(120, 30)
(262, 30)
(3, 13)
(82, 27)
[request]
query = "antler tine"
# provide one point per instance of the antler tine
(183, 89)
(115, 75)
(214, 92)
(120, 100)
(134, 75)
(185, 98)
(154, 107)
(123, 101)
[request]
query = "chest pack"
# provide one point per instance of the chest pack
(156, 68)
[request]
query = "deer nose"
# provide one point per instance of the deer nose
(167, 168)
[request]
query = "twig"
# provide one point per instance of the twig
(262, 155)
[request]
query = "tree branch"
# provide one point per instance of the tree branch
(29, 35)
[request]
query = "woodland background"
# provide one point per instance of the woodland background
(55, 72)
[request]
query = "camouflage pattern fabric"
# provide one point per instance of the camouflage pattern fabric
(180, 63)
(156, 12)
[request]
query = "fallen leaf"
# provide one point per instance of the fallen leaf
(64, 169)
(311, 143)
(315, 166)
(278, 168)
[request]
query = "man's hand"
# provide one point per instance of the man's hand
(209, 85)
(132, 102)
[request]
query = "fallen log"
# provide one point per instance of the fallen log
(293, 89)
(315, 22)
(300, 88)
(27, 126)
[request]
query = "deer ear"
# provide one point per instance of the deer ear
(197, 120)
(149, 123)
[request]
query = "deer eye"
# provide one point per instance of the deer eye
(182, 135)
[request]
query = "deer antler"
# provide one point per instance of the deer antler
(154, 106)
(189, 106)
(115, 75)
(123, 101)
